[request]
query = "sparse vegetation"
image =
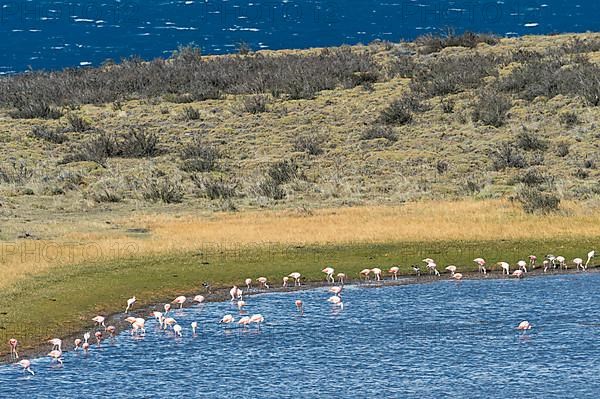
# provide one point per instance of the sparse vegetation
(311, 144)
(379, 132)
(491, 108)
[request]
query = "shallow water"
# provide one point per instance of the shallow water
(51, 34)
(415, 341)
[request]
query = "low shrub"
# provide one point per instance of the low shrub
(55, 136)
(506, 155)
(536, 200)
(379, 132)
(216, 187)
(491, 108)
(190, 113)
(255, 104)
(400, 111)
(78, 124)
(528, 141)
(36, 109)
(199, 156)
(164, 188)
(434, 43)
(311, 144)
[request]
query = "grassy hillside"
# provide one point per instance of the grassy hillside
(379, 124)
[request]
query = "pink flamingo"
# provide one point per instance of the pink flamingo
(505, 267)
(13, 343)
(341, 277)
(481, 265)
(365, 273)
(561, 262)
(99, 321)
(578, 263)
(56, 354)
(590, 256)
(336, 301)
(296, 276)
(457, 276)
(263, 282)
(432, 266)
(257, 319)
(451, 269)
(546, 264)
(532, 259)
(85, 347)
(235, 293)
(167, 307)
(77, 344)
(98, 336)
(179, 300)
(336, 290)
(377, 272)
(169, 322)
(26, 364)
(199, 298)
(285, 281)
(227, 319)
(329, 272)
(177, 330)
(241, 304)
(130, 303)
(248, 282)
(524, 325)
(522, 265)
(394, 272)
(111, 330)
(244, 321)
(56, 344)
(518, 273)
(299, 306)
(194, 326)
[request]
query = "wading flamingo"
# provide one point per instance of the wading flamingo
(285, 281)
(26, 364)
(341, 278)
(329, 272)
(561, 262)
(505, 267)
(56, 354)
(111, 330)
(451, 269)
(235, 293)
(227, 319)
(578, 263)
(590, 256)
(263, 282)
(86, 337)
(13, 343)
(433, 268)
(377, 272)
(85, 346)
(179, 300)
(241, 304)
(296, 276)
(394, 272)
(77, 344)
(480, 265)
(457, 276)
(365, 273)
(336, 290)
(524, 325)
(257, 319)
(167, 307)
(532, 259)
(130, 303)
(199, 298)
(98, 336)
(248, 282)
(99, 321)
(546, 264)
(244, 321)
(522, 265)
(169, 322)
(552, 260)
(299, 306)
(336, 301)
(194, 327)
(177, 330)
(518, 273)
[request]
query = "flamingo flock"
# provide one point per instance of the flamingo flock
(166, 322)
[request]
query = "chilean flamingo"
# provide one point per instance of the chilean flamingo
(167, 307)
(99, 321)
(227, 319)
(546, 264)
(169, 322)
(26, 364)
(111, 330)
(98, 336)
(56, 354)
(433, 268)
(341, 278)
(394, 272)
(505, 268)
(561, 262)
(377, 272)
(457, 276)
(248, 282)
(179, 300)
(365, 273)
(451, 269)
(590, 256)
(532, 259)
(518, 273)
(257, 319)
(199, 298)
(296, 276)
(241, 304)
(579, 263)
(194, 326)
(177, 330)
(13, 343)
(480, 265)
(85, 346)
(235, 293)
(524, 325)
(285, 281)
(244, 321)
(299, 306)
(130, 303)
(336, 301)
(86, 337)
(263, 282)
(335, 290)
(329, 272)
(522, 265)
(552, 259)
(77, 344)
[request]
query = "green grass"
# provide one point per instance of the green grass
(63, 302)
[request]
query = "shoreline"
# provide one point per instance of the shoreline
(221, 294)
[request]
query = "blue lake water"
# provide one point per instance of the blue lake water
(52, 34)
(444, 339)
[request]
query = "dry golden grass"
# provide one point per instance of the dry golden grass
(467, 220)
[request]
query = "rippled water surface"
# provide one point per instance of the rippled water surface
(416, 341)
(57, 33)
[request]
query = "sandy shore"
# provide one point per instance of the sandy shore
(221, 294)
